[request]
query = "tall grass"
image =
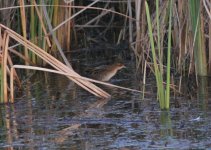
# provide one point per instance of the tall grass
(163, 93)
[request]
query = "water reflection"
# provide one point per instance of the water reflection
(54, 114)
(203, 93)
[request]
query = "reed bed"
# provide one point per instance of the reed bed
(60, 67)
(48, 58)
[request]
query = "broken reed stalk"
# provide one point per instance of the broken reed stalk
(58, 72)
(4, 66)
(42, 23)
(20, 55)
(50, 60)
(15, 73)
(23, 23)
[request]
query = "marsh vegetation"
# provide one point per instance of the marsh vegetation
(164, 44)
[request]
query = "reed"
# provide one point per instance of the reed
(8, 33)
(23, 24)
(168, 76)
(51, 23)
(165, 121)
(60, 67)
(163, 93)
(32, 29)
(1, 86)
(38, 30)
(207, 7)
(199, 42)
(1, 70)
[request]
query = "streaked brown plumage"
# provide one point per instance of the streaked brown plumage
(105, 73)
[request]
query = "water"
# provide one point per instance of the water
(54, 113)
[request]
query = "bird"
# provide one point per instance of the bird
(106, 72)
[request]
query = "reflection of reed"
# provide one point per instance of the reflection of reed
(14, 122)
(65, 133)
(63, 88)
(165, 120)
(29, 121)
(10, 125)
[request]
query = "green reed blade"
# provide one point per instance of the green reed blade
(158, 75)
(199, 42)
(167, 99)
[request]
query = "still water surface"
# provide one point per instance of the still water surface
(56, 114)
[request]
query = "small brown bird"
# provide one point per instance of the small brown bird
(105, 73)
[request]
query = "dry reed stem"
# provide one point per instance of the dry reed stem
(20, 55)
(54, 36)
(182, 34)
(23, 23)
(66, 74)
(57, 64)
(15, 73)
(130, 21)
(208, 10)
(1, 57)
(94, 19)
(42, 23)
(105, 7)
(138, 27)
(209, 61)
(11, 86)
(144, 76)
(180, 83)
(1, 40)
(61, 32)
(69, 28)
(73, 16)
(5, 54)
(66, 6)
(191, 53)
